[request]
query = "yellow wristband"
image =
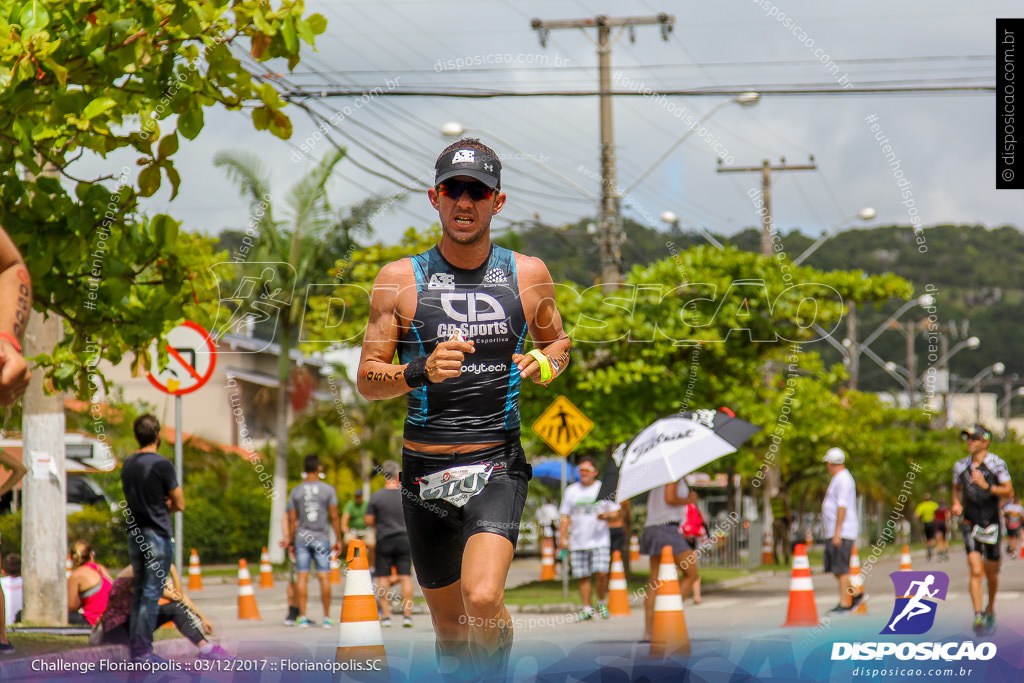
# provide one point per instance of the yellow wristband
(544, 362)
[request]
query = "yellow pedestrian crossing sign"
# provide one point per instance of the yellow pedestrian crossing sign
(563, 426)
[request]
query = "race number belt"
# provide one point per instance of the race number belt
(986, 534)
(456, 484)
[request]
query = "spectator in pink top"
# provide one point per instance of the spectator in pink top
(88, 586)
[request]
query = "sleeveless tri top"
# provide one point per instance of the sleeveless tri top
(482, 404)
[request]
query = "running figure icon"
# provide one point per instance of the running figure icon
(915, 606)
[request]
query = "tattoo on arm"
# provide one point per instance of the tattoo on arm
(23, 303)
(384, 376)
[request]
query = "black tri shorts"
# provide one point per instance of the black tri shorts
(438, 530)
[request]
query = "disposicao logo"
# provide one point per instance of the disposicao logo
(916, 595)
(914, 614)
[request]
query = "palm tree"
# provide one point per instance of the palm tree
(295, 247)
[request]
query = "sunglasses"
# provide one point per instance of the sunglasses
(587, 470)
(453, 189)
(975, 437)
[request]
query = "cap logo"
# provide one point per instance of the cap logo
(489, 167)
(464, 156)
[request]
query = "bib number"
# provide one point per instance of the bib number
(986, 534)
(455, 484)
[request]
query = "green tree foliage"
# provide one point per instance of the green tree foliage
(96, 77)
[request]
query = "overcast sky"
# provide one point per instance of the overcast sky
(942, 144)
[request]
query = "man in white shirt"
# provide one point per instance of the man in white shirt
(584, 531)
(839, 517)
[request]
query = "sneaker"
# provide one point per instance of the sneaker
(305, 622)
(7, 649)
(150, 658)
(586, 614)
(289, 622)
(857, 599)
(602, 609)
(406, 622)
(216, 653)
(839, 609)
(990, 623)
(385, 622)
(979, 623)
(327, 623)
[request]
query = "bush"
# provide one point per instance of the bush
(105, 532)
(226, 512)
(10, 533)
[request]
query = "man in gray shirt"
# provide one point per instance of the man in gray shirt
(384, 512)
(312, 510)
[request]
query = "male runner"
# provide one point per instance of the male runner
(979, 480)
(458, 316)
(925, 511)
(1013, 513)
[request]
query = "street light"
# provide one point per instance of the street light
(975, 383)
(865, 214)
(672, 219)
(747, 99)
(969, 343)
(901, 375)
(453, 129)
(852, 350)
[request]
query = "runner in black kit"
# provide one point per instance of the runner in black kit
(458, 316)
(979, 480)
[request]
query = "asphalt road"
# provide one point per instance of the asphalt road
(735, 631)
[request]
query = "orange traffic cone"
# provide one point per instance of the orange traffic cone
(359, 636)
(1021, 551)
(246, 598)
(905, 565)
(767, 556)
(802, 609)
(618, 592)
(857, 581)
(335, 570)
(195, 574)
(668, 636)
(266, 570)
(68, 567)
(547, 559)
(634, 549)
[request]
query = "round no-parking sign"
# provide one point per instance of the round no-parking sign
(193, 355)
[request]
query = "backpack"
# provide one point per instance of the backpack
(693, 523)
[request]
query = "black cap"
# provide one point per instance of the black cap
(469, 162)
(978, 431)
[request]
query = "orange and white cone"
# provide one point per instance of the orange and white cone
(266, 570)
(618, 591)
(195, 574)
(246, 598)
(857, 581)
(359, 635)
(905, 565)
(1021, 551)
(634, 549)
(68, 567)
(767, 556)
(335, 579)
(547, 559)
(802, 609)
(668, 635)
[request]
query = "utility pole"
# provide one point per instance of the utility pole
(44, 524)
(852, 350)
(765, 169)
(44, 521)
(610, 224)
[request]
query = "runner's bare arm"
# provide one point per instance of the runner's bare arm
(16, 295)
(545, 323)
(394, 294)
